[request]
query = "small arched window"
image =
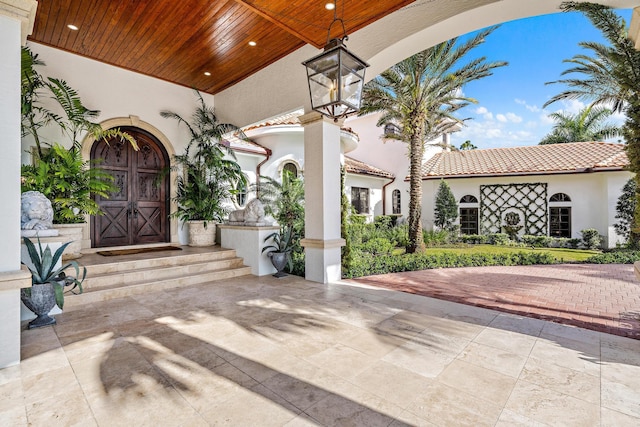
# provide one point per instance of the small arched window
(291, 168)
(560, 197)
(396, 201)
(560, 215)
(241, 195)
(391, 129)
(468, 199)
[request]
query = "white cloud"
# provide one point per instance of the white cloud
(501, 118)
(514, 118)
(486, 114)
(532, 108)
(572, 106)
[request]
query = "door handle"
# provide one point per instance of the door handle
(129, 209)
(135, 210)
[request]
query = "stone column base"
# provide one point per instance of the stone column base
(323, 259)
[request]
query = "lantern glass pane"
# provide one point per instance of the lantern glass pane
(352, 88)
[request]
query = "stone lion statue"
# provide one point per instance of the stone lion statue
(36, 211)
(253, 212)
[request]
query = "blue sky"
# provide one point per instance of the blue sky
(509, 111)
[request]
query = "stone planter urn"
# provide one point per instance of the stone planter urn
(279, 261)
(71, 233)
(199, 235)
(41, 301)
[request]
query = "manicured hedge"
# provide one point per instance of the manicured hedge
(366, 264)
(615, 257)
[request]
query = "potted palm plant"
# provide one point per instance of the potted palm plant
(208, 174)
(48, 282)
(58, 172)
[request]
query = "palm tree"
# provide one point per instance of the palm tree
(419, 96)
(611, 77)
(467, 145)
(586, 125)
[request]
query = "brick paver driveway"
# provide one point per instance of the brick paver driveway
(605, 298)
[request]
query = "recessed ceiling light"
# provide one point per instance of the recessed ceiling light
(72, 27)
(252, 43)
(206, 73)
(330, 6)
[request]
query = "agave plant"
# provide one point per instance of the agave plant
(43, 271)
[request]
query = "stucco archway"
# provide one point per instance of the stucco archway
(382, 44)
(135, 121)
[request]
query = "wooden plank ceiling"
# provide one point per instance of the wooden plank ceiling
(178, 41)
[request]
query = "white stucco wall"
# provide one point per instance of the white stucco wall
(117, 93)
(593, 197)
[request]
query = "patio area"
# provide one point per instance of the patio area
(287, 352)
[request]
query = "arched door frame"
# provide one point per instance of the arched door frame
(134, 121)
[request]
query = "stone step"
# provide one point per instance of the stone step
(105, 294)
(136, 275)
(126, 275)
(123, 263)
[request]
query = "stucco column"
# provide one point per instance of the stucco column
(16, 22)
(322, 240)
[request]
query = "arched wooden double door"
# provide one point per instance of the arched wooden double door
(138, 211)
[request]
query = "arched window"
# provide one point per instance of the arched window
(559, 215)
(560, 197)
(469, 215)
(291, 168)
(391, 129)
(396, 201)
(241, 195)
(468, 199)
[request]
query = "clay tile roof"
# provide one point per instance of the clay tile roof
(531, 160)
(245, 145)
(356, 166)
(287, 119)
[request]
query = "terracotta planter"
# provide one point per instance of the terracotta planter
(41, 301)
(70, 233)
(201, 236)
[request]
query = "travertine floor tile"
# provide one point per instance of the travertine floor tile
(550, 407)
(262, 351)
(449, 406)
(393, 383)
(564, 380)
(495, 359)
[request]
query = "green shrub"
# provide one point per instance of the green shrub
(615, 257)
(537, 241)
(590, 238)
(358, 219)
(398, 235)
(573, 243)
(498, 239)
(386, 221)
(435, 237)
(365, 264)
(474, 239)
(377, 246)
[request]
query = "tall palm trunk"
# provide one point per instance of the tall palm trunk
(416, 154)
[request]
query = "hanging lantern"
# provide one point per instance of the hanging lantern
(336, 78)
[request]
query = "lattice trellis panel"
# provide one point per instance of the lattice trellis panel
(530, 199)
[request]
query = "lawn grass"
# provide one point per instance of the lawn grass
(561, 254)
